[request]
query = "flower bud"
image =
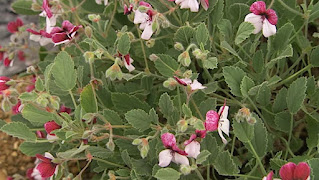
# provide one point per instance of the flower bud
(88, 31)
(87, 134)
(114, 72)
(6, 106)
(188, 74)
(185, 169)
(153, 57)
(179, 46)
(150, 43)
(200, 54)
(184, 58)
(137, 141)
(251, 120)
(182, 125)
(144, 151)
(111, 175)
(42, 101)
(171, 83)
(94, 17)
(13, 100)
(110, 145)
(99, 52)
(193, 120)
(242, 115)
(89, 56)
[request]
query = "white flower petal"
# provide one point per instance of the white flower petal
(197, 85)
(51, 138)
(129, 67)
(222, 136)
(224, 126)
(140, 17)
(268, 29)
(165, 157)
(256, 20)
(193, 5)
(48, 155)
(225, 112)
(187, 81)
(193, 149)
(180, 159)
(35, 38)
(98, 1)
(106, 2)
(148, 31)
(45, 41)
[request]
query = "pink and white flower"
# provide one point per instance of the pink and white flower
(195, 85)
(13, 26)
(145, 19)
(49, 127)
(45, 167)
(65, 109)
(291, 171)
(17, 108)
(51, 14)
(193, 5)
(65, 33)
(100, 2)
(262, 19)
(128, 10)
(172, 153)
(34, 174)
(218, 121)
(270, 176)
(3, 81)
(127, 62)
(192, 147)
(42, 37)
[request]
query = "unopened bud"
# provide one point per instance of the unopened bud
(89, 56)
(184, 58)
(153, 57)
(171, 83)
(182, 125)
(94, 17)
(193, 120)
(111, 175)
(188, 74)
(150, 43)
(144, 151)
(114, 72)
(42, 101)
(137, 141)
(13, 100)
(179, 46)
(31, 69)
(200, 54)
(251, 120)
(110, 145)
(88, 31)
(99, 52)
(6, 106)
(185, 169)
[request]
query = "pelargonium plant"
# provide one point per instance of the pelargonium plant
(164, 89)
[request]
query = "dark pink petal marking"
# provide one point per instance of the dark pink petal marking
(272, 16)
(302, 171)
(46, 8)
(51, 126)
(211, 122)
(286, 172)
(258, 7)
(168, 139)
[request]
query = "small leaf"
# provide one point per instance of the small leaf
(39, 86)
(280, 103)
(281, 38)
(166, 65)
(88, 100)
(296, 94)
(218, 12)
(183, 35)
(202, 34)
(246, 84)
(167, 173)
(258, 61)
(225, 165)
(35, 115)
(226, 46)
(141, 167)
(282, 121)
(288, 52)
(167, 108)
(31, 149)
(23, 7)
(139, 119)
(186, 110)
(263, 95)
(19, 130)
(314, 56)
(112, 117)
(314, 165)
(243, 131)
(28, 96)
(277, 163)
(131, 102)
(244, 31)
(63, 71)
(210, 63)
(202, 156)
(313, 131)
(124, 44)
(210, 144)
(233, 77)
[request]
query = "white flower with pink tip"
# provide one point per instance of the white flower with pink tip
(172, 152)
(262, 19)
(193, 5)
(145, 19)
(195, 85)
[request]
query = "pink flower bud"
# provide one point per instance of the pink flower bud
(40, 134)
(51, 126)
(65, 109)
(46, 167)
(291, 171)
(3, 81)
(211, 123)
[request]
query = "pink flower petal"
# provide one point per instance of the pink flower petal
(205, 4)
(3, 81)
(142, 3)
(270, 176)
(211, 122)
(46, 8)
(258, 7)
(168, 140)
(302, 171)
(7, 62)
(272, 16)
(65, 109)
(286, 172)
(66, 25)
(21, 55)
(51, 126)
(46, 169)
(59, 37)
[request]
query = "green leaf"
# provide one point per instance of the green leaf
(166, 107)
(206, 105)
(39, 86)
(35, 115)
(28, 96)
(314, 165)
(243, 131)
(141, 167)
(153, 116)
(112, 117)
(202, 34)
(88, 100)
(202, 157)
(126, 158)
(281, 38)
(2, 123)
(225, 165)
(314, 14)
(277, 163)
(233, 77)
(218, 12)
(244, 31)
(184, 35)
(72, 152)
(19, 130)
(225, 28)
(282, 121)
(100, 152)
(288, 52)
(124, 44)
(209, 143)
(139, 119)
(314, 56)
(246, 84)
(124, 102)
(313, 132)
(23, 7)
(258, 61)
(166, 65)
(226, 46)
(260, 139)
(167, 173)
(31, 149)
(263, 95)
(63, 71)
(47, 76)
(186, 111)
(210, 63)
(296, 94)
(280, 103)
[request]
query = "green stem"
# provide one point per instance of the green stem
(257, 158)
(208, 172)
(73, 99)
(199, 174)
(293, 76)
(111, 20)
(289, 8)
(108, 162)
(290, 134)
